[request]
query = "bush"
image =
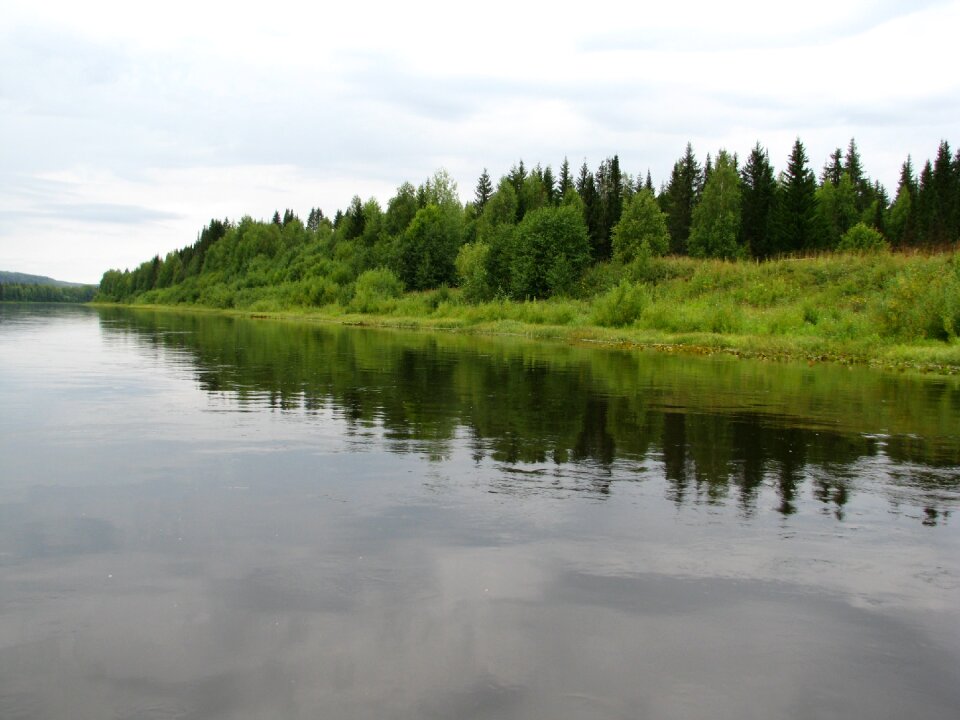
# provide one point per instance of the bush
(862, 238)
(924, 302)
(472, 270)
(620, 305)
(375, 290)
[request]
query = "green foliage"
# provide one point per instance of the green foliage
(46, 293)
(716, 220)
(621, 305)
(642, 229)
(862, 238)
(759, 196)
(680, 197)
(798, 226)
(375, 289)
(427, 250)
(473, 272)
(549, 254)
(501, 209)
(838, 208)
(923, 301)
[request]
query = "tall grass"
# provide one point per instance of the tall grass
(860, 305)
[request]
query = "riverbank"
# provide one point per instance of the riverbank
(888, 309)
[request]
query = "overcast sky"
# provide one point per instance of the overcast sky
(127, 126)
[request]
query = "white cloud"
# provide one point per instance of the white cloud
(168, 116)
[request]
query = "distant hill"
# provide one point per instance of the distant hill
(16, 278)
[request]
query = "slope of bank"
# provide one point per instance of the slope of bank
(887, 309)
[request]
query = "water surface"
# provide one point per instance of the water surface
(206, 517)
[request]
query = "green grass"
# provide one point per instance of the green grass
(882, 308)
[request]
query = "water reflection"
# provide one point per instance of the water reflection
(720, 429)
(206, 517)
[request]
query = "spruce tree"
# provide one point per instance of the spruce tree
(609, 182)
(861, 184)
(944, 185)
(680, 197)
(833, 169)
(798, 224)
(903, 220)
(483, 192)
(587, 189)
(758, 199)
(550, 185)
(565, 182)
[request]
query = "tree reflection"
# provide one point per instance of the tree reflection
(721, 429)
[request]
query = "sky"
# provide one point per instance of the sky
(127, 126)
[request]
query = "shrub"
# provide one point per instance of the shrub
(621, 305)
(472, 270)
(862, 238)
(375, 289)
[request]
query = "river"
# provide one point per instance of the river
(211, 517)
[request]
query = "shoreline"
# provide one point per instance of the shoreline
(926, 357)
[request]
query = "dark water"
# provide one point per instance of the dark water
(207, 518)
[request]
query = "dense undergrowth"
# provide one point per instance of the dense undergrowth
(884, 307)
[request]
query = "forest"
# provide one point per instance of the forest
(603, 237)
(37, 292)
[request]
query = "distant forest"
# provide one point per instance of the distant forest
(22, 287)
(536, 231)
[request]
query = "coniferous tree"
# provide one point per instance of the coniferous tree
(833, 169)
(587, 189)
(549, 185)
(609, 182)
(861, 183)
(648, 184)
(483, 192)
(680, 196)
(798, 225)
(941, 223)
(758, 200)
(926, 211)
(276, 218)
(881, 206)
(355, 218)
(902, 222)
(314, 219)
(516, 176)
(565, 181)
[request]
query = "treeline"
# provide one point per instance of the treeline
(536, 232)
(32, 292)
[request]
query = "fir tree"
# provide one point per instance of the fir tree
(902, 216)
(861, 184)
(587, 189)
(680, 196)
(483, 192)
(798, 224)
(565, 182)
(758, 199)
(833, 169)
(550, 185)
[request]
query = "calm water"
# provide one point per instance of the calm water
(212, 518)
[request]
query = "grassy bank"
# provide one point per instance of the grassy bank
(888, 309)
